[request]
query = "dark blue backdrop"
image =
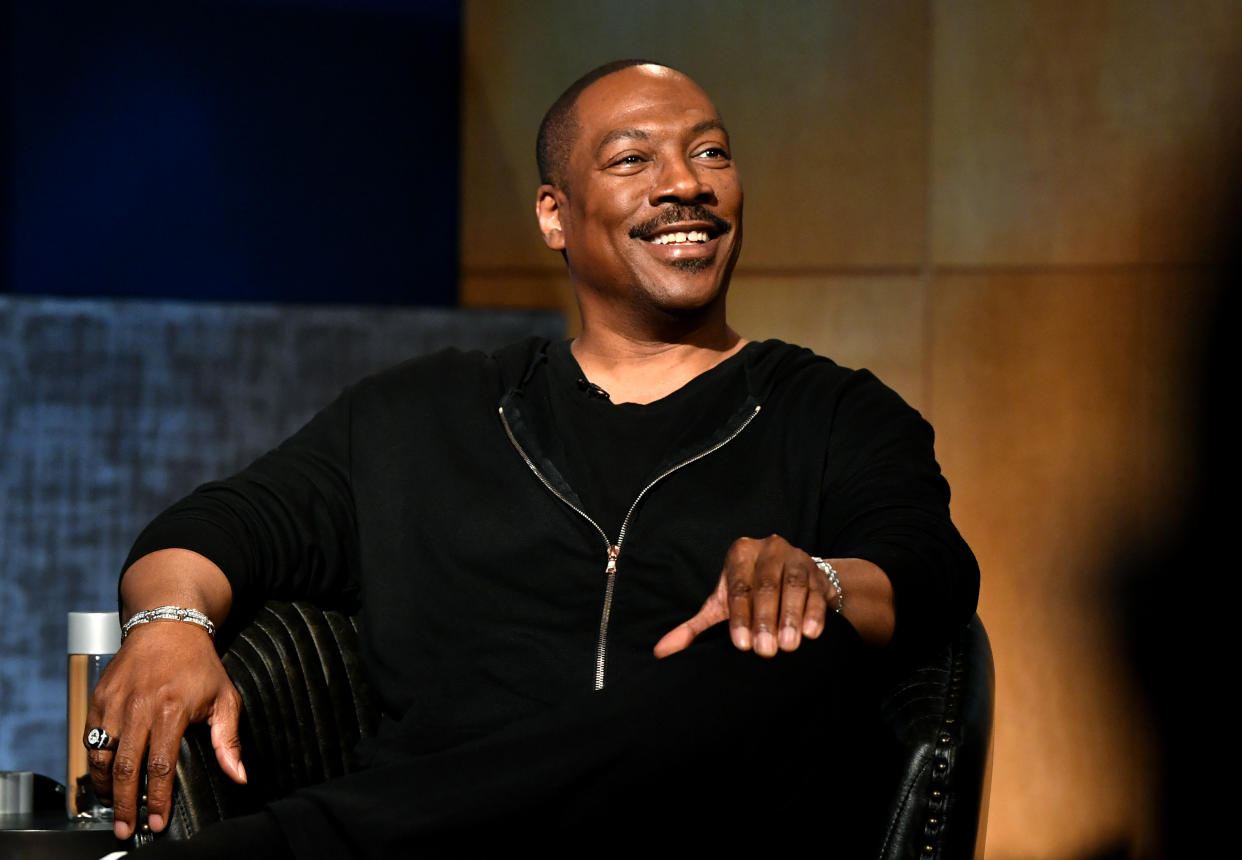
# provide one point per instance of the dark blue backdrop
(259, 150)
(244, 155)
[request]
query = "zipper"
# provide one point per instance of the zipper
(613, 550)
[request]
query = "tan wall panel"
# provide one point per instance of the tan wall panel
(826, 103)
(1056, 427)
(1062, 133)
(872, 322)
(1082, 132)
(1031, 390)
(535, 289)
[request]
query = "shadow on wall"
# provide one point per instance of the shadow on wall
(1178, 600)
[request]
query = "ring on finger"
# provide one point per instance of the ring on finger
(99, 739)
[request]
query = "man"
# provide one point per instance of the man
(530, 535)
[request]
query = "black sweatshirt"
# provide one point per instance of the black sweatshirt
(435, 493)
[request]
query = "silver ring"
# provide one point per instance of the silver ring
(99, 739)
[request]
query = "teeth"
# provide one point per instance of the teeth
(692, 237)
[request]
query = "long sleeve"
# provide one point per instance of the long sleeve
(885, 500)
(284, 526)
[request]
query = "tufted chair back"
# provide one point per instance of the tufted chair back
(305, 705)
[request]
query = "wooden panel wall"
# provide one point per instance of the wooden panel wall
(1004, 209)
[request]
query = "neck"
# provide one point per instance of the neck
(638, 370)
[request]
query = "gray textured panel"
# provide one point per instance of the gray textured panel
(111, 410)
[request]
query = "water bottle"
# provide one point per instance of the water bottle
(93, 638)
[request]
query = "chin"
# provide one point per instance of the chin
(689, 306)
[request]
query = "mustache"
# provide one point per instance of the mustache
(675, 214)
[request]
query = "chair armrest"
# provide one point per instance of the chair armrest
(305, 705)
(940, 713)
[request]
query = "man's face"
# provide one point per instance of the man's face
(649, 212)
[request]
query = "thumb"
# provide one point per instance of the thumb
(679, 638)
(225, 739)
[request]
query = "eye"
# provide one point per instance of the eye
(628, 160)
(713, 153)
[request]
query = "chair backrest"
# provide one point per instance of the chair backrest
(305, 704)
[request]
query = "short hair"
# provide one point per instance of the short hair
(560, 123)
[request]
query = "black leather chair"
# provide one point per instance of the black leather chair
(940, 714)
(306, 703)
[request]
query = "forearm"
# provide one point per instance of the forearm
(884, 499)
(178, 577)
(868, 599)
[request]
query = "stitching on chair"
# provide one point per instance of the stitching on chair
(939, 795)
(911, 786)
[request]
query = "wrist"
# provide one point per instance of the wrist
(175, 577)
(834, 580)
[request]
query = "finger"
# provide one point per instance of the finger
(99, 763)
(225, 738)
(795, 587)
(738, 576)
(127, 771)
(162, 763)
(814, 618)
(679, 638)
(766, 598)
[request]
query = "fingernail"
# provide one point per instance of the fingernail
(789, 638)
(241, 769)
(156, 821)
(741, 638)
(765, 643)
(121, 829)
(811, 628)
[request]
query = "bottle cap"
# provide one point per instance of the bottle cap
(94, 632)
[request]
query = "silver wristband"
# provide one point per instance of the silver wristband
(169, 613)
(833, 578)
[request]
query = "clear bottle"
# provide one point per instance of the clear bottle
(93, 638)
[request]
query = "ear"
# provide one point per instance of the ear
(548, 202)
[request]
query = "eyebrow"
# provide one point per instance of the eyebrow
(639, 134)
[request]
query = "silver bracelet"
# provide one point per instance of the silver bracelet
(169, 613)
(833, 578)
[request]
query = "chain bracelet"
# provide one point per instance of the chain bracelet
(831, 573)
(169, 613)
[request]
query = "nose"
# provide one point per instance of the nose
(680, 181)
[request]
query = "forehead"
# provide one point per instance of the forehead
(640, 97)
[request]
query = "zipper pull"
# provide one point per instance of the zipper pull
(613, 552)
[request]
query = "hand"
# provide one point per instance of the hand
(165, 676)
(772, 595)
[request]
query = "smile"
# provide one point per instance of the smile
(689, 237)
(681, 225)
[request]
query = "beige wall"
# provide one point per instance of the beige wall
(1001, 207)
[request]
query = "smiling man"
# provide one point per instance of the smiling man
(647, 208)
(568, 554)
